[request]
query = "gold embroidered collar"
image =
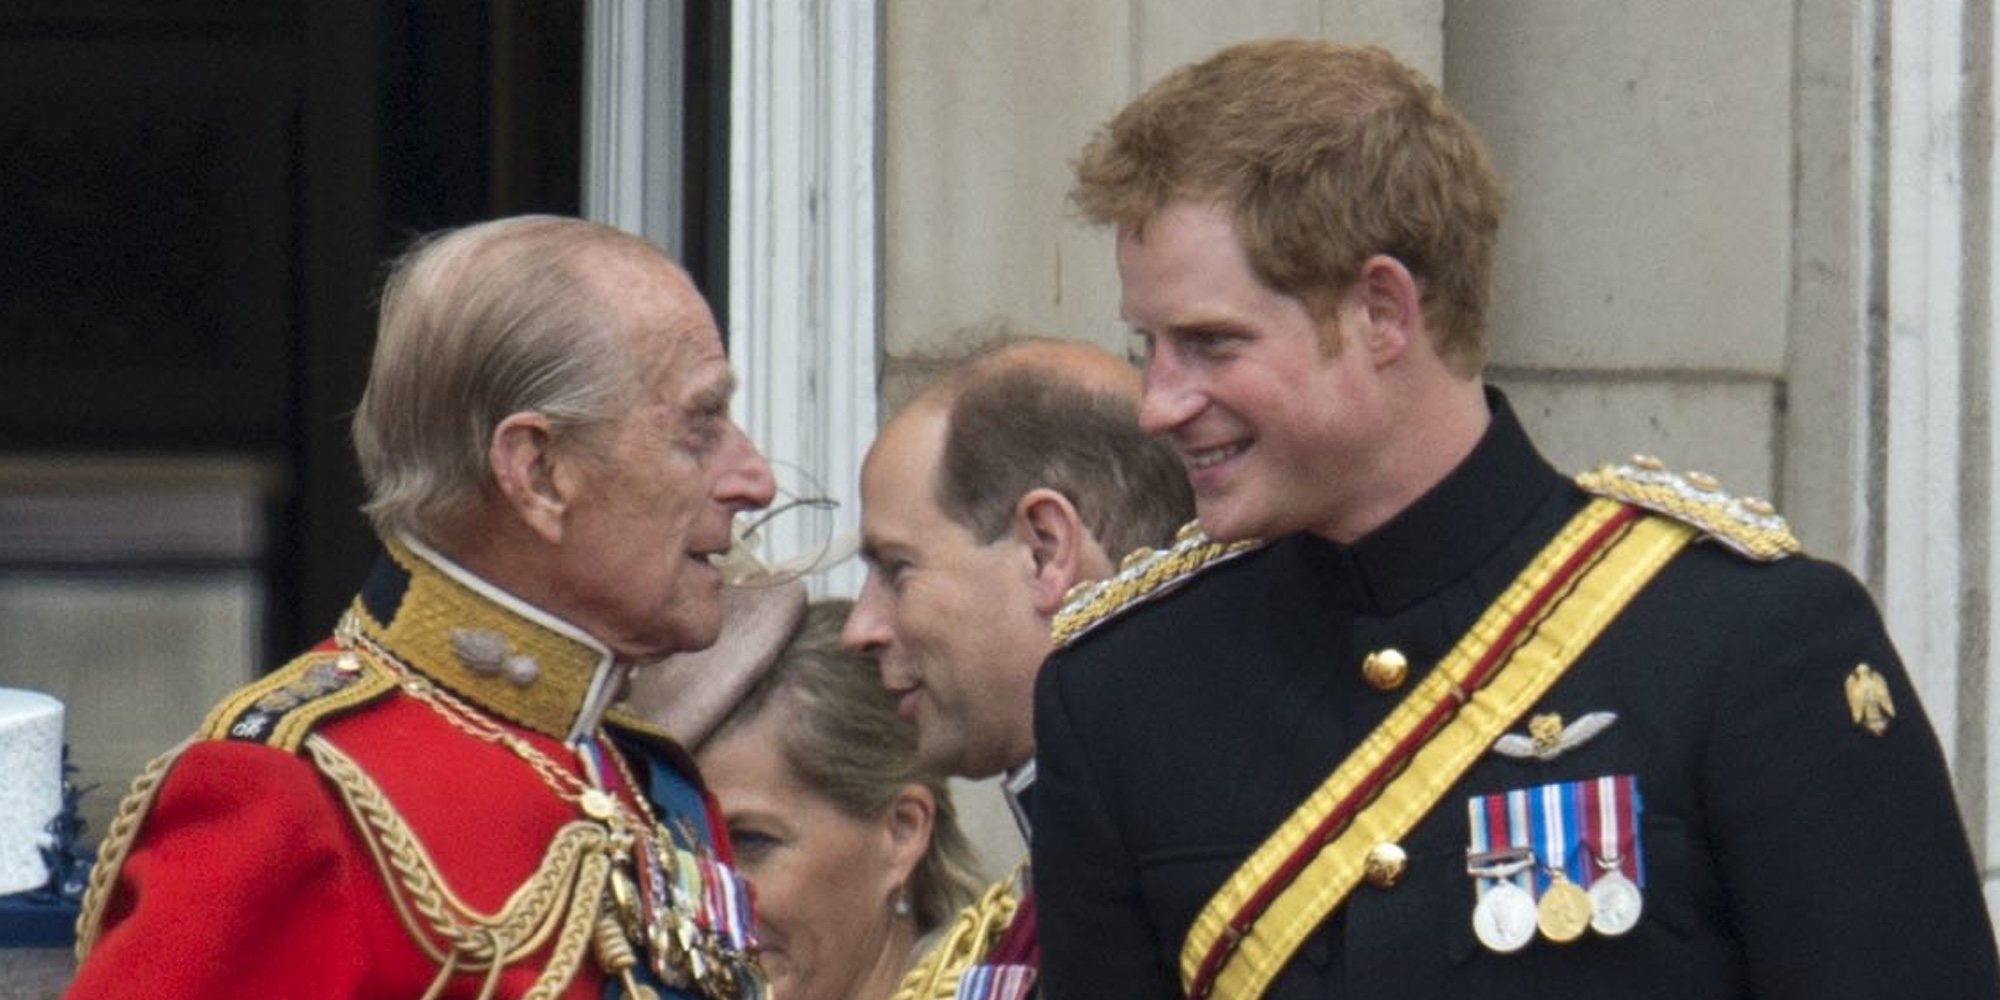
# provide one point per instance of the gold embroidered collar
(494, 650)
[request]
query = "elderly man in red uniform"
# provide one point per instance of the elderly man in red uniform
(436, 802)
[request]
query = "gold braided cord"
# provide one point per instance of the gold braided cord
(577, 930)
(1745, 524)
(521, 927)
(476, 724)
(1144, 574)
(309, 709)
(491, 983)
(971, 935)
(117, 846)
(443, 978)
(613, 825)
(298, 724)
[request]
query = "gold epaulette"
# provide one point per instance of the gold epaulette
(1144, 575)
(972, 934)
(281, 708)
(1745, 524)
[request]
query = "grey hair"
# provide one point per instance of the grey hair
(476, 324)
(847, 743)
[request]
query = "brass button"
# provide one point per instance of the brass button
(1385, 669)
(1385, 865)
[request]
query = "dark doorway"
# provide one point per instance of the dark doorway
(196, 198)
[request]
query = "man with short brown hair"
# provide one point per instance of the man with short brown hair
(1008, 481)
(1415, 716)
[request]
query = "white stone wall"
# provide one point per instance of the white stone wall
(984, 106)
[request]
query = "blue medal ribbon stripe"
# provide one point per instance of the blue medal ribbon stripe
(1547, 829)
(1520, 825)
(1636, 809)
(1480, 836)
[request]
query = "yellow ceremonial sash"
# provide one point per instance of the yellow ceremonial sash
(1513, 654)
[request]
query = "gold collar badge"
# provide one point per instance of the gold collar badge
(1868, 700)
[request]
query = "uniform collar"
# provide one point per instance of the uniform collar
(1018, 787)
(496, 651)
(1455, 526)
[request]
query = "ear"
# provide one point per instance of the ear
(1062, 547)
(906, 828)
(531, 479)
(1389, 306)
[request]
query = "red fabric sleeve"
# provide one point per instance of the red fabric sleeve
(244, 881)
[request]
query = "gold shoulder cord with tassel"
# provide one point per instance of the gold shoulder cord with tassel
(971, 935)
(566, 891)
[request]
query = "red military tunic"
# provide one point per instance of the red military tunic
(380, 816)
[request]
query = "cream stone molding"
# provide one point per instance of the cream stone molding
(1920, 355)
(803, 260)
(804, 257)
(633, 122)
(1987, 157)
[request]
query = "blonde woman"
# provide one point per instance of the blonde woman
(852, 848)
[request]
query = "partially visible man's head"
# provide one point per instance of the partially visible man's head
(1323, 155)
(1058, 415)
(1013, 477)
(548, 403)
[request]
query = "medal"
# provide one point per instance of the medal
(1499, 860)
(599, 805)
(1611, 820)
(1614, 903)
(1504, 918)
(1576, 842)
(1564, 912)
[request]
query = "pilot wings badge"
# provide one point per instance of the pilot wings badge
(1548, 738)
(1868, 700)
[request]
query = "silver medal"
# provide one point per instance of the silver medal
(1615, 904)
(1504, 918)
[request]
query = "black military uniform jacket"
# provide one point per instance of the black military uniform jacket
(1789, 852)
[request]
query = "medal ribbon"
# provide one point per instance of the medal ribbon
(1500, 823)
(1611, 810)
(719, 896)
(996, 982)
(1551, 835)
